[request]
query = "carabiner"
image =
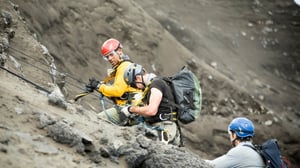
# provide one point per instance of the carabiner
(164, 136)
(161, 117)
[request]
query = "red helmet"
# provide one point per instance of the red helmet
(109, 46)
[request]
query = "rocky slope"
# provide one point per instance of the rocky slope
(68, 34)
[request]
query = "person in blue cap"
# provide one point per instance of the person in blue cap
(241, 132)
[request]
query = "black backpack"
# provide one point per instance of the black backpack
(187, 93)
(271, 154)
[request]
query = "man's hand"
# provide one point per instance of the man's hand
(125, 111)
(124, 114)
(92, 85)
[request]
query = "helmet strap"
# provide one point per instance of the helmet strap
(143, 82)
(117, 52)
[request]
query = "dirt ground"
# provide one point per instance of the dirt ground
(245, 53)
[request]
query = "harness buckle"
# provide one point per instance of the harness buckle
(168, 116)
(163, 117)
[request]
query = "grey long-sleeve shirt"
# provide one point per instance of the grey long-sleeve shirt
(239, 157)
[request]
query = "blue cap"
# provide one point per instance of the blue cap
(242, 126)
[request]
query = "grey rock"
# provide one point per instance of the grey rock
(45, 120)
(57, 98)
(63, 133)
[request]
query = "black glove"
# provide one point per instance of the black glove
(88, 88)
(92, 85)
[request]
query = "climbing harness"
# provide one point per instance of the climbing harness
(168, 116)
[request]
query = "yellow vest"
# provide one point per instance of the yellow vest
(119, 87)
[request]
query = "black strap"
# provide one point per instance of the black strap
(172, 103)
(180, 134)
(253, 147)
(26, 80)
(257, 148)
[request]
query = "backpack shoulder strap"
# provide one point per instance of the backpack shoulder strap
(252, 147)
(166, 100)
(257, 148)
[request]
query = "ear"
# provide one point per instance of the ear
(234, 135)
(119, 51)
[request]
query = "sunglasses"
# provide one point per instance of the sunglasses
(109, 55)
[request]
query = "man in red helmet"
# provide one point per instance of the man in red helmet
(116, 89)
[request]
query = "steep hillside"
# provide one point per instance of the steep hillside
(67, 35)
(36, 133)
(254, 43)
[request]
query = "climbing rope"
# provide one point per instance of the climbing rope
(27, 59)
(26, 80)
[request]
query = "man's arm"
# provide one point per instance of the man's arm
(230, 159)
(152, 108)
(119, 86)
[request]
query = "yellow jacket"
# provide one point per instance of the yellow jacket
(119, 86)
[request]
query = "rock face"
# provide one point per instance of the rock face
(245, 55)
